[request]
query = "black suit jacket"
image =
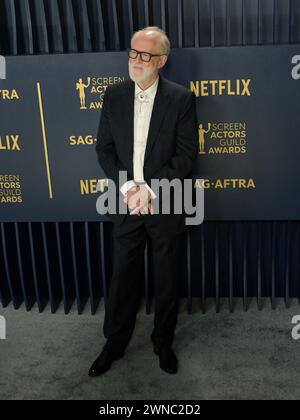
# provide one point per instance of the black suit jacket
(172, 142)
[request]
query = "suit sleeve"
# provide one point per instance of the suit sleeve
(105, 147)
(181, 164)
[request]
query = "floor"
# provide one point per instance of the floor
(238, 355)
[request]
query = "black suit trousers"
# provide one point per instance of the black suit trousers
(127, 280)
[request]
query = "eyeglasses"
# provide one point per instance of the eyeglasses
(145, 56)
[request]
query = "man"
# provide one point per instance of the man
(148, 128)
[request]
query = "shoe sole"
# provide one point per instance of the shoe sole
(172, 372)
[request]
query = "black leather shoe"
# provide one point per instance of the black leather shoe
(167, 359)
(104, 362)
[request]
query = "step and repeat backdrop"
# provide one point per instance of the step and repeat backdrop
(248, 106)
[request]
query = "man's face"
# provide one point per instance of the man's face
(141, 71)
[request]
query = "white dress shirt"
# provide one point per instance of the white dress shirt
(143, 104)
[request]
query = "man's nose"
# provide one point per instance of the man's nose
(139, 58)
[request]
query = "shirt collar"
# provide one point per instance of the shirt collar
(150, 91)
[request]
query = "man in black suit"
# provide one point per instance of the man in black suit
(148, 128)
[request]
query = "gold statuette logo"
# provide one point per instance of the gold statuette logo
(91, 90)
(201, 138)
(80, 86)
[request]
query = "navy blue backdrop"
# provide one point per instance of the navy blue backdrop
(53, 248)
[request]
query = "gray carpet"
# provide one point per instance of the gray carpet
(221, 356)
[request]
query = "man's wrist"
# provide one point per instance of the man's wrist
(150, 191)
(133, 183)
(127, 186)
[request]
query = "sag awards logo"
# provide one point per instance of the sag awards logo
(10, 189)
(225, 183)
(81, 140)
(222, 138)
(91, 90)
(201, 138)
(80, 86)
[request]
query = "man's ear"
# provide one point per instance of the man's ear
(162, 61)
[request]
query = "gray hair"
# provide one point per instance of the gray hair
(163, 41)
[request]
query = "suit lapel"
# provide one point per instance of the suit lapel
(127, 124)
(160, 106)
